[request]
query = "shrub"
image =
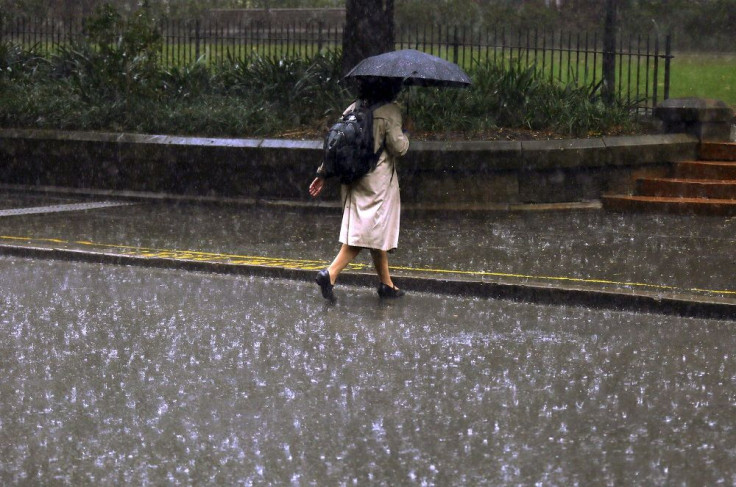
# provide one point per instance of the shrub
(302, 89)
(16, 63)
(113, 80)
(514, 97)
(187, 81)
(116, 60)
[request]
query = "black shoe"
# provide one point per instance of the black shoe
(385, 291)
(323, 279)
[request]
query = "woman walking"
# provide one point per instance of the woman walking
(371, 205)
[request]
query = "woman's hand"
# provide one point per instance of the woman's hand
(316, 187)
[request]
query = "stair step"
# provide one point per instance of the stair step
(718, 151)
(697, 206)
(705, 170)
(687, 188)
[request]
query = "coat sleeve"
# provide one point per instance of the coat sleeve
(395, 140)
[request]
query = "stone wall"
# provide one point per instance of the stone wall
(470, 173)
(707, 119)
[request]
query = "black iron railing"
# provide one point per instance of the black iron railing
(642, 61)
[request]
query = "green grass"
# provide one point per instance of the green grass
(704, 76)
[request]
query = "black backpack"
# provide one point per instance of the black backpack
(348, 147)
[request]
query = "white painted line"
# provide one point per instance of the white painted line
(62, 208)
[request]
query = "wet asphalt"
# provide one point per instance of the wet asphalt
(125, 375)
(575, 254)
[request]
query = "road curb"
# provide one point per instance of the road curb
(315, 206)
(633, 301)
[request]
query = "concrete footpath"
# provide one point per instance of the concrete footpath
(574, 254)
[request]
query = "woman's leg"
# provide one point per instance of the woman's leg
(344, 257)
(380, 262)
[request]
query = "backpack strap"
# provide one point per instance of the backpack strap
(373, 108)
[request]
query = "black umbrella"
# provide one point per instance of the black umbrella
(413, 68)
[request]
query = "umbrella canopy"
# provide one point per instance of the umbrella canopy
(413, 68)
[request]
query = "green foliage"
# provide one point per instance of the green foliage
(109, 83)
(187, 81)
(116, 60)
(94, 88)
(517, 97)
(15, 62)
(299, 88)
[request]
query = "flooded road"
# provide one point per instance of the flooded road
(132, 376)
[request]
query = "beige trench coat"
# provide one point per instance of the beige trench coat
(372, 205)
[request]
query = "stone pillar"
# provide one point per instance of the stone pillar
(709, 120)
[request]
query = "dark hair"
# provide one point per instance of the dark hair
(376, 90)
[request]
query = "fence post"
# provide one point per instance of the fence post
(319, 36)
(667, 59)
(196, 40)
(71, 35)
(456, 47)
(655, 75)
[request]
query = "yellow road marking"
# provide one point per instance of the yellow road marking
(299, 264)
(545, 278)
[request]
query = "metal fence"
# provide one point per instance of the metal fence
(642, 61)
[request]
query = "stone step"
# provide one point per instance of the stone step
(705, 170)
(703, 187)
(687, 188)
(718, 151)
(660, 204)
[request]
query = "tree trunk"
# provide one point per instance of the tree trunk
(609, 53)
(369, 30)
